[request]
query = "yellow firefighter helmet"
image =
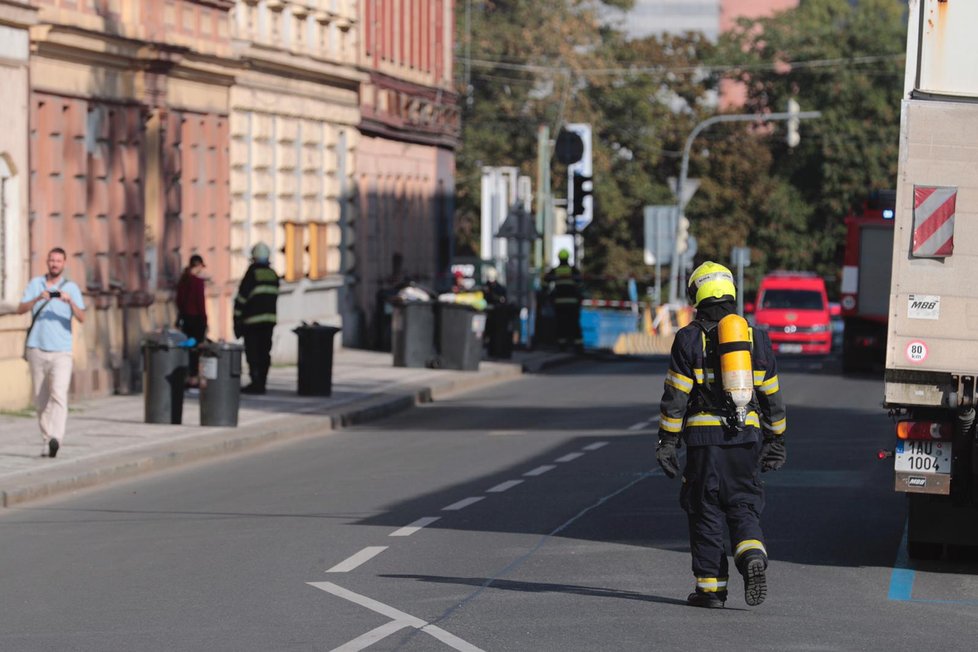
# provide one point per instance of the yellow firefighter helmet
(710, 281)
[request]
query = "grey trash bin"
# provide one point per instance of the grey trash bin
(459, 336)
(165, 365)
(220, 386)
(413, 334)
(315, 359)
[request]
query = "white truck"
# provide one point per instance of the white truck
(931, 377)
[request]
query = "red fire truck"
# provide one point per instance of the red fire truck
(865, 292)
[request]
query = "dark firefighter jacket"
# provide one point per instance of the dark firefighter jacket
(693, 403)
(567, 284)
(257, 296)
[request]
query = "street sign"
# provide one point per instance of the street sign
(740, 256)
(582, 167)
(690, 186)
(660, 234)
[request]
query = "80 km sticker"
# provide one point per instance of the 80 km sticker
(916, 351)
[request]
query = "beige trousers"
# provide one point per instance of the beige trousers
(51, 376)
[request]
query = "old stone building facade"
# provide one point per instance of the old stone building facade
(410, 129)
(16, 18)
(141, 133)
(294, 115)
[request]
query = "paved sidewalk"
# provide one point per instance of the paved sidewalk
(107, 439)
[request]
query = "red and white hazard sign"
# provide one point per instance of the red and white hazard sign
(933, 221)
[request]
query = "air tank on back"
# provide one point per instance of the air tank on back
(736, 367)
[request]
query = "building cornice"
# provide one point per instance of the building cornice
(17, 14)
(411, 113)
(303, 67)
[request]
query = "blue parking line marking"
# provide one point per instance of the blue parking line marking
(901, 580)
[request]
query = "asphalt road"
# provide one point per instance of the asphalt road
(530, 516)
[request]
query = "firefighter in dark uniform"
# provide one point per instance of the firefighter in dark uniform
(566, 297)
(255, 316)
(721, 484)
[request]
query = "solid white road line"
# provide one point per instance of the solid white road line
(570, 457)
(503, 486)
(596, 445)
(408, 530)
(462, 504)
(449, 639)
(540, 470)
(361, 557)
(366, 640)
(399, 620)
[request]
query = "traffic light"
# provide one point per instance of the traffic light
(583, 187)
(793, 137)
(682, 235)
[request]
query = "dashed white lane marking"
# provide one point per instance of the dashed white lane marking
(570, 457)
(361, 557)
(503, 486)
(540, 470)
(596, 445)
(399, 620)
(639, 425)
(462, 504)
(408, 530)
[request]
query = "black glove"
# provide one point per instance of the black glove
(238, 330)
(665, 454)
(773, 453)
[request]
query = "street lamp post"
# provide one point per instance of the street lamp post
(684, 171)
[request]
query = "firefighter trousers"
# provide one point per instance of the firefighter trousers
(721, 487)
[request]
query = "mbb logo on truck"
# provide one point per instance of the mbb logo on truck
(933, 221)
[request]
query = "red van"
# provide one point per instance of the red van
(794, 309)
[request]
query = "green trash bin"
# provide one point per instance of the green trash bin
(220, 386)
(165, 364)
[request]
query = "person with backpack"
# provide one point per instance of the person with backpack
(53, 301)
(726, 447)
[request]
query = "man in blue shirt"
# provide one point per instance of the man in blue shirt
(53, 300)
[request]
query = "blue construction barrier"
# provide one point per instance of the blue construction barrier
(601, 327)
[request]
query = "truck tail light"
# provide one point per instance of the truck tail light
(924, 430)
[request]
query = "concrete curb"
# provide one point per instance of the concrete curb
(35, 485)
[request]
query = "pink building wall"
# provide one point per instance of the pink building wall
(731, 10)
(733, 94)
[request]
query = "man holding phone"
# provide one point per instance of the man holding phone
(53, 301)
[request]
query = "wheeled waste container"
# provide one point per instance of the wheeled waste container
(220, 383)
(165, 364)
(315, 359)
(413, 334)
(459, 336)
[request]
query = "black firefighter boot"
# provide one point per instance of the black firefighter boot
(753, 566)
(707, 599)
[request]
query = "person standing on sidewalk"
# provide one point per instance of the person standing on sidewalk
(192, 311)
(53, 301)
(255, 316)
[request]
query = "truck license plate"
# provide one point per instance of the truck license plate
(790, 348)
(922, 456)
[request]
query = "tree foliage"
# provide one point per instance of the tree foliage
(550, 62)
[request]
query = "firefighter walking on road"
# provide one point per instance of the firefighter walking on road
(566, 297)
(255, 316)
(722, 398)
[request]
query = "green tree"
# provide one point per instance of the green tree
(845, 60)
